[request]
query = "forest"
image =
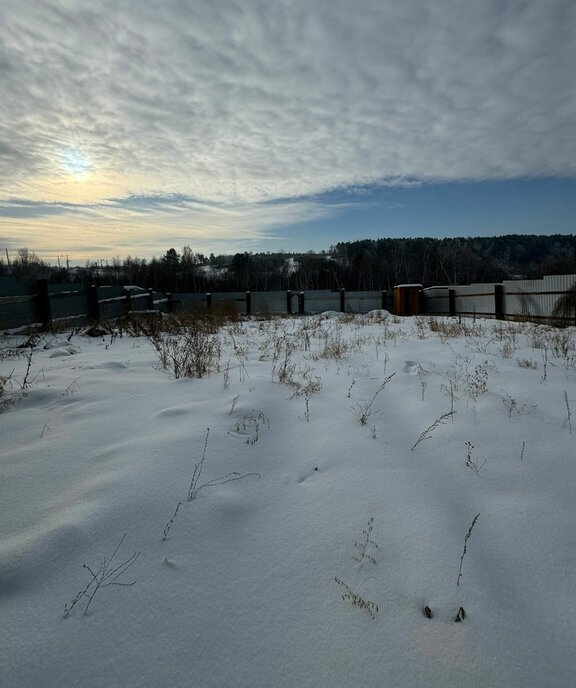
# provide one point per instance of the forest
(370, 264)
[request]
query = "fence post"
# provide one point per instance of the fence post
(342, 300)
(169, 302)
(301, 303)
(43, 303)
(248, 303)
(150, 299)
(451, 302)
(384, 301)
(93, 303)
(499, 301)
(208, 302)
(289, 302)
(128, 301)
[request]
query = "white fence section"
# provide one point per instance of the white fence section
(536, 298)
(530, 299)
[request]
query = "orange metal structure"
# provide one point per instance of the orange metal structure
(408, 299)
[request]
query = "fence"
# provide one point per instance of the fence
(534, 300)
(74, 304)
(68, 303)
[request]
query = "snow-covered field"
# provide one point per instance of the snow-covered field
(100, 447)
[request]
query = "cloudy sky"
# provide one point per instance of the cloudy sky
(130, 126)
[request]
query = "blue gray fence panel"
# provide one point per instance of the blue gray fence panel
(112, 302)
(69, 307)
(10, 286)
(436, 300)
(363, 301)
(139, 302)
(320, 301)
(271, 302)
(475, 299)
(17, 311)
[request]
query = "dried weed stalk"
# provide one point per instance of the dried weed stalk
(427, 434)
(106, 575)
(364, 545)
(466, 538)
(364, 409)
(356, 600)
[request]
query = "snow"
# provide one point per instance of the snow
(102, 443)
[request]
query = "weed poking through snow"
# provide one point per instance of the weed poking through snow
(250, 424)
(478, 381)
(512, 405)
(195, 488)
(427, 434)
(356, 600)
(475, 465)
(568, 421)
(106, 575)
(365, 544)
(171, 522)
(364, 409)
(466, 538)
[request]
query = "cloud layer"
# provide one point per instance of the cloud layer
(238, 102)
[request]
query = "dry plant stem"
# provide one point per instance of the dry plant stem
(544, 364)
(466, 538)
(473, 464)
(25, 382)
(72, 388)
(241, 356)
(512, 405)
(226, 382)
(450, 390)
(363, 410)
(426, 435)
(170, 522)
(104, 577)
(568, 421)
(198, 470)
(366, 542)
(522, 451)
(252, 422)
(228, 478)
(194, 488)
(356, 600)
(422, 377)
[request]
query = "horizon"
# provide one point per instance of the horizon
(257, 127)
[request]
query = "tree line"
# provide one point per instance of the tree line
(370, 264)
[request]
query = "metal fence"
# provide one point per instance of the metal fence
(534, 300)
(74, 304)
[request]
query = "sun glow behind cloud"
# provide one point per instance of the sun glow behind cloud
(75, 163)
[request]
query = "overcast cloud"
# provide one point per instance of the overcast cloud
(238, 101)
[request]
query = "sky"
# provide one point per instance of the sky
(127, 128)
